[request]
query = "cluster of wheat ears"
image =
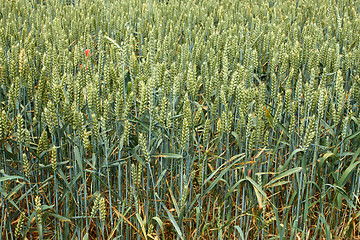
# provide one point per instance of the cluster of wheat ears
(197, 119)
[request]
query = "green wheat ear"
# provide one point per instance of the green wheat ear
(144, 148)
(102, 209)
(27, 167)
(53, 158)
(95, 207)
(19, 225)
(43, 142)
(38, 210)
(3, 124)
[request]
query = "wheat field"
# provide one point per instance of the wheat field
(169, 119)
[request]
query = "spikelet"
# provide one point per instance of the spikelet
(27, 136)
(19, 225)
(184, 194)
(287, 100)
(38, 210)
(260, 106)
(102, 209)
(259, 129)
(135, 197)
(356, 91)
(127, 126)
(20, 128)
(143, 98)
(93, 98)
(77, 119)
(266, 137)
(43, 143)
(86, 140)
(340, 93)
(54, 89)
(103, 128)
(22, 59)
(191, 81)
(185, 135)
(27, 167)
(50, 116)
(206, 131)
(163, 111)
(53, 158)
(139, 172)
(95, 206)
(134, 178)
(119, 105)
(322, 102)
(310, 133)
(278, 113)
(150, 229)
(144, 149)
(129, 101)
(3, 65)
(95, 131)
(223, 99)
(169, 121)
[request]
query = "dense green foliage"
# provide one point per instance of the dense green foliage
(142, 119)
